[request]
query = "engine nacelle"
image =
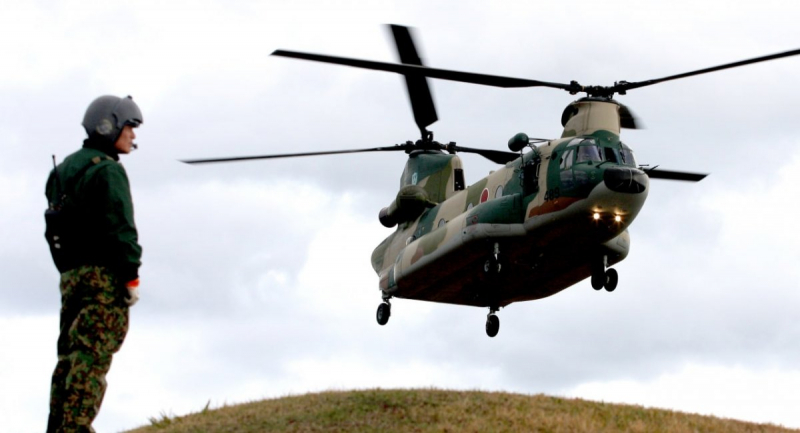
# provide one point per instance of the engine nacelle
(411, 201)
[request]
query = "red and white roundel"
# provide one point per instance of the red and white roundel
(485, 195)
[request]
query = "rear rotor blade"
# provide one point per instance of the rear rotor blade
(656, 173)
(419, 92)
(398, 147)
(497, 156)
(624, 86)
(443, 74)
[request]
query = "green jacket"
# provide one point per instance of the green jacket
(98, 221)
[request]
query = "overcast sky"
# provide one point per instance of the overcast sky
(256, 279)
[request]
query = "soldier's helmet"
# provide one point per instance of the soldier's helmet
(107, 115)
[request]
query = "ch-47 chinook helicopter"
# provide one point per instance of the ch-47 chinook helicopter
(550, 217)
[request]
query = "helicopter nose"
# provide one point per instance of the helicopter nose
(625, 179)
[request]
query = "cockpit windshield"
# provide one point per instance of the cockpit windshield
(587, 150)
(589, 153)
(626, 154)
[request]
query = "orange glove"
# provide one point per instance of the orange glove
(133, 292)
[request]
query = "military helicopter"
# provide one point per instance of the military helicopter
(551, 217)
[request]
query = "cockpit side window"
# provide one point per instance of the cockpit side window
(626, 154)
(609, 154)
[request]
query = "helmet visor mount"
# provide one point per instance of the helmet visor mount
(126, 112)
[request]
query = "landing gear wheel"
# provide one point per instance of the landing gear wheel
(492, 266)
(599, 276)
(599, 280)
(492, 325)
(612, 278)
(384, 311)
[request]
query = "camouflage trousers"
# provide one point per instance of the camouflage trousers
(94, 322)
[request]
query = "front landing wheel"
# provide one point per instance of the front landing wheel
(599, 279)
(384, 311)
(612, 278)
(492, 325)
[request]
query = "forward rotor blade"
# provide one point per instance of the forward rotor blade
(655, 173)
(293, 155)
(624, 86)
(419, 92)
(629, 120)
(497, 156)
(442, 74)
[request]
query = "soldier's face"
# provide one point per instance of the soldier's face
(125, 141)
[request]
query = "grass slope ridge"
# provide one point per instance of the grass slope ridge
(431, 410)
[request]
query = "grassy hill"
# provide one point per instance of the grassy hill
(430, 410)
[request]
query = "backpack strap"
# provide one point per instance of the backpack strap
(69, 187)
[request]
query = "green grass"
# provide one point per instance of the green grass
(431, 410)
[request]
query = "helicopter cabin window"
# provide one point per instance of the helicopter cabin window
(566, 160)
(530, 176)
(458, 180)
(499, 192)
(626, 154)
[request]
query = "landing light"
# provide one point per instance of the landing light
(618, 218)
(596, 216)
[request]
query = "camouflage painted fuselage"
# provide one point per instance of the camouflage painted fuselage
(552, 212)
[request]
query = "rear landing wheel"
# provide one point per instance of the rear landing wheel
(492, 325)
(492, 266)
(384, 311)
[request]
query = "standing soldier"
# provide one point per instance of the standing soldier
(93, 241)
